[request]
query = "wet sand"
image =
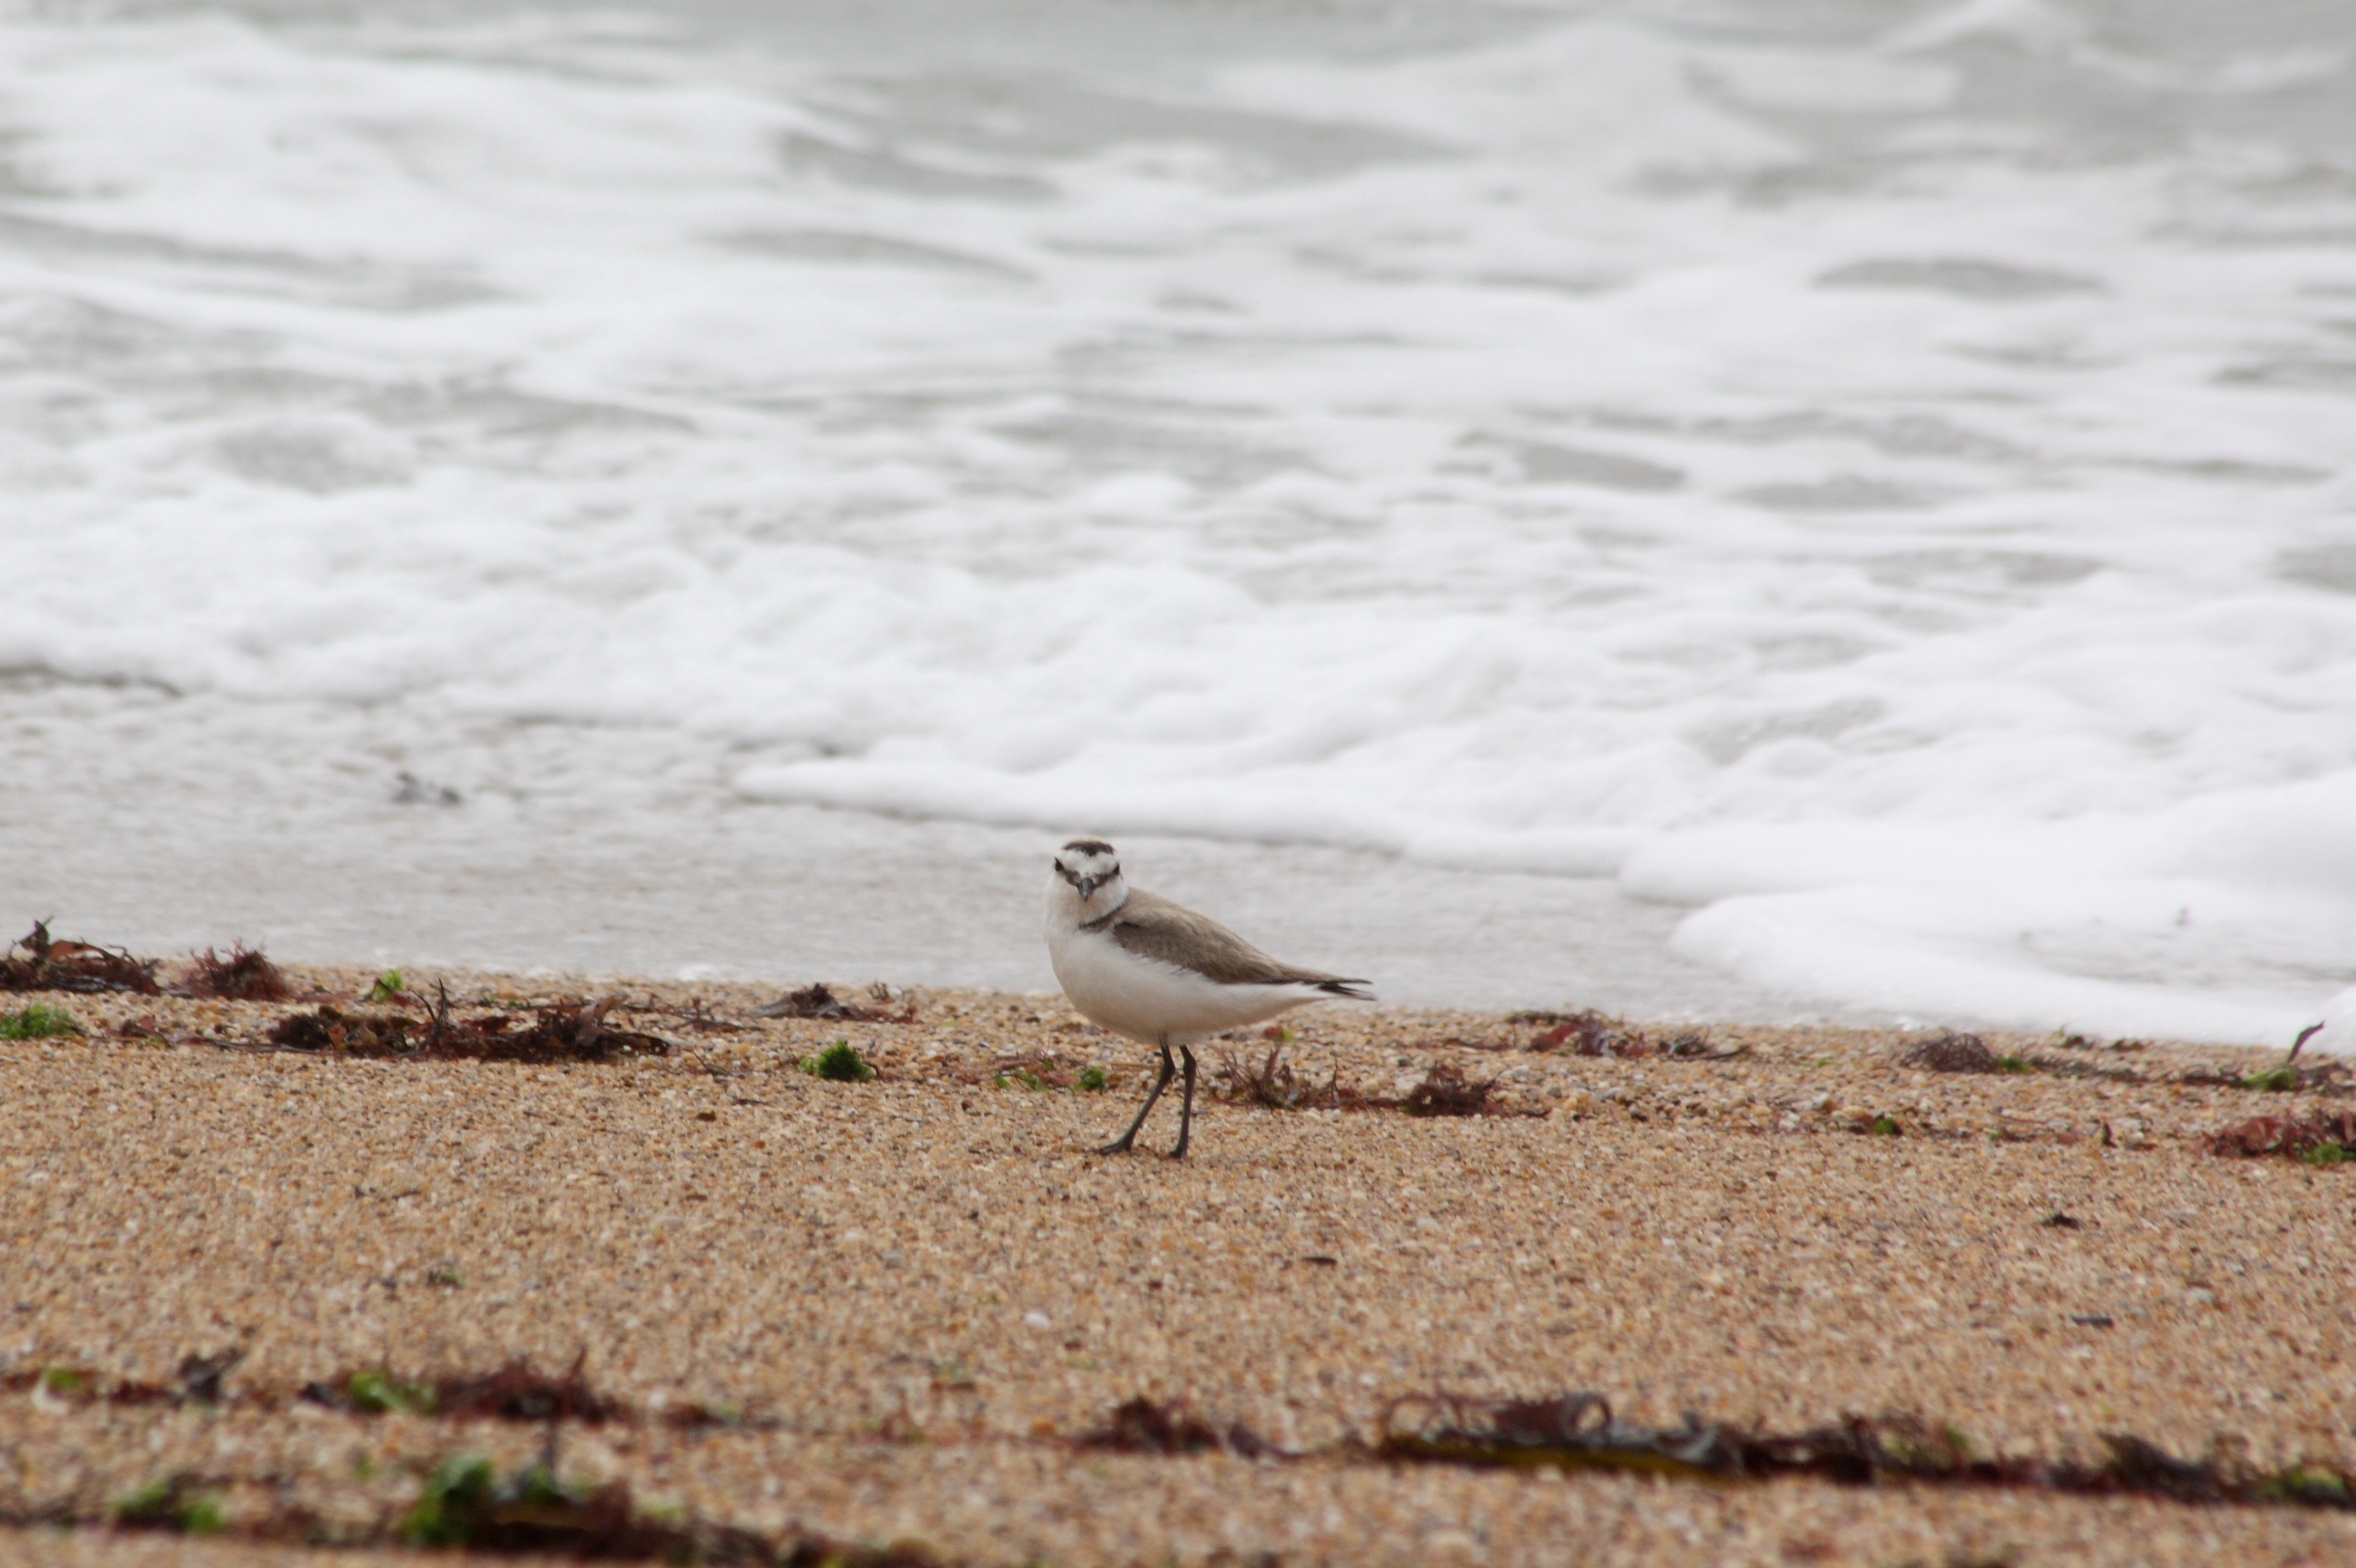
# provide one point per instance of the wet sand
(899, 1304)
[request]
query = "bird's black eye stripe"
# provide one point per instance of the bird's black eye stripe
(1068, 873)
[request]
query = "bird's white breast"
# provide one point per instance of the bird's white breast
(1150, 1000)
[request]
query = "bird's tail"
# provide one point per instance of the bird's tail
(1353, 989)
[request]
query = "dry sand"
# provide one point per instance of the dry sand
(918, 1291)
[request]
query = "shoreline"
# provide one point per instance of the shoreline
(397, 840)
(906, 1302)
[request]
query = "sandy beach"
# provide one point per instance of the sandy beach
(247, 1288)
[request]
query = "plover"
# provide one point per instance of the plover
(1157, 972)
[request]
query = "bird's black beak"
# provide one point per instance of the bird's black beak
(1088, 886)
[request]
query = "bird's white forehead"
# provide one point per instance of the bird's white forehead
(1086, 854)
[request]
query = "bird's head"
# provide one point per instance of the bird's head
(1091, 868)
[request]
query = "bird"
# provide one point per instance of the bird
(1144, 967)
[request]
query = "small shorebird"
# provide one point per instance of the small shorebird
(1158, 972)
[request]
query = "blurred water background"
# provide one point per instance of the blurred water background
(1763, 509)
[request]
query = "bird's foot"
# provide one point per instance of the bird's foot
(1119, 1145)
(1180, 1152)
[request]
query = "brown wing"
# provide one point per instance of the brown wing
(1152, 927)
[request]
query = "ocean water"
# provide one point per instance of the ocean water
(1763, 507)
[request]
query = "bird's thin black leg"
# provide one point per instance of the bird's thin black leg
(1185, 1106)
(1168, 1070)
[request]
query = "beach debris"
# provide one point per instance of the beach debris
(838, 1063)
(569, 1030)
(344, 1034)
(59, 1387)
(55, 1387)
(1588, 1033)
(38, 1022)
(519, 1392)
(467, 1505)
(2325, 1137)
(1592, 1033)
(2221, 1078)
(1694, 1045)
(374, 1391)
(1443, 1090)
(516, 1391)
(201, 1376)
(50, 965)
(1272, 1084)
(1579, 1430)
(1447, 1092)
(2299, 1043)
(2063, 1067)
(2286, 1077)
(1037, 1071)
(815, 1001)
(178, 1502)
(2087, 1043)
(1142, 1425)
(1952, 1052)
(704, 1020)
(245, 975)
(1572, 1430)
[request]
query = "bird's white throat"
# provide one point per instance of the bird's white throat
(1067, 910)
